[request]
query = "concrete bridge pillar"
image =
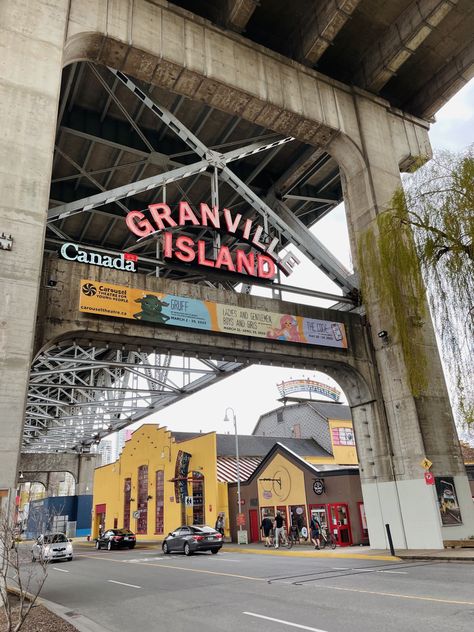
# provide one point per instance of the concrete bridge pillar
(32, 36)
(396, 432)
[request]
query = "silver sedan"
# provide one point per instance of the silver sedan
(52, 546)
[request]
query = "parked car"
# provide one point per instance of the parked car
(194, 538)
(52, 546)
(116, 539)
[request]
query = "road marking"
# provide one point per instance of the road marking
(138, 560)
(60, 570)
(112, 581)
(340, 568)
(293, 625)
(180, 568)
(394, 572)
(385, 594)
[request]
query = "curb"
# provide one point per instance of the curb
(319, 554)
(436, 558)
(78, 620)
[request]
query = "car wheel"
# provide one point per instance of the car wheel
(131, 546)
(214, 551)
(97, 545)
(33, 558)
(165, 548)
(109, 545)
(69, 559)
(187, 549)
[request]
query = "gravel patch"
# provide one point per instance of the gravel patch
(40, 619)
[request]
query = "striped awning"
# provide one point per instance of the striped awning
(227, 468)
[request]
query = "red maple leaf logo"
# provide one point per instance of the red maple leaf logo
(130, 256)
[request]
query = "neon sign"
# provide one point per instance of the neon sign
(308, 386)
(262, 264)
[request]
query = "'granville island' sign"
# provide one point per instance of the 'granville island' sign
(262, 264)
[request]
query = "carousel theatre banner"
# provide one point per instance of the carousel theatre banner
(120, 301)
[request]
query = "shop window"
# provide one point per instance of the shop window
(142, 505)
(343, 436)
(198, 498)
(268, 512)
(160, 498)
(319, 513)
(127, 494)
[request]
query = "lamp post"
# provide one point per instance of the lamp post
(234, 419)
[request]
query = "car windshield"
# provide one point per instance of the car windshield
(203, 529)
(54, 538)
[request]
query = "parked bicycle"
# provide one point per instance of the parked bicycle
(327, 539)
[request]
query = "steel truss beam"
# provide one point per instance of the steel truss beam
(77, 394)
(283, 223)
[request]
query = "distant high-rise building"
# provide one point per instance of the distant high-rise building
(105, 450)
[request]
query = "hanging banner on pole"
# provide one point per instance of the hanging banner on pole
(159, 308)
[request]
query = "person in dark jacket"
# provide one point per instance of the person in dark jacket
(266, 527)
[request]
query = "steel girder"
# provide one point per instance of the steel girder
(283, 224)
(78, 394)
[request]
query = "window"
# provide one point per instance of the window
(160, 497)
(142, 505)
(127, 492)
(343, 436)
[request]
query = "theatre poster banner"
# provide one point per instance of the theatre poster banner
(119, 301)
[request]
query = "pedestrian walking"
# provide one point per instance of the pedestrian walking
(266, 527)
(279, 529)
(315, 529)
(219, 526)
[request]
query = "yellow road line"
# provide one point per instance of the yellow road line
(315, 555)
(385, 594)
(178, 568)
(263, 579)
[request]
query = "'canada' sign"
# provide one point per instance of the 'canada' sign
(186, 249)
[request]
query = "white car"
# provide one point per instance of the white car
(52, 546)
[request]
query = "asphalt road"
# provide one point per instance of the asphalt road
(144, 591)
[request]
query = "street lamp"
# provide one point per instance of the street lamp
(234, 419)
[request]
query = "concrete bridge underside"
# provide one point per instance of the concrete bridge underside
(370, 140)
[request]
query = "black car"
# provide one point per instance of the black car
(188, 540)
(115, 539)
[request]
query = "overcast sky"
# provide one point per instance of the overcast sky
(253, 391)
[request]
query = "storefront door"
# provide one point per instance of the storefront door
(254, 530)
(339, 523)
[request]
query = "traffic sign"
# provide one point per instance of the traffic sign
(429, 478)
(188, 501)
(136, 514)
(426, 464)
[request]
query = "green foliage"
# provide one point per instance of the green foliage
(436, 210)
(389, 261)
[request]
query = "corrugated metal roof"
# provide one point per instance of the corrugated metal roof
(227, 468)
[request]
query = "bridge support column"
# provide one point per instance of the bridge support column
(30, 75)
(397, 431)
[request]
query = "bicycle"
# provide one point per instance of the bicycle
(326, 539)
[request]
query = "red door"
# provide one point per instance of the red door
(254, 530)
(339, 523)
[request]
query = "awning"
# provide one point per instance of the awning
(227, 468)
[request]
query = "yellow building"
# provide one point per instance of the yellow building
(165, 479)
(142, 491)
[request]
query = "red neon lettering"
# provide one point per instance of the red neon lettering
(186, 214)
(231, 226)
(161, 212)
(167, 245)
(247, 261)
(211, 216)
(224, 258)
(184, 249)
(202, 255)
(138, 224)
(265, 271)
